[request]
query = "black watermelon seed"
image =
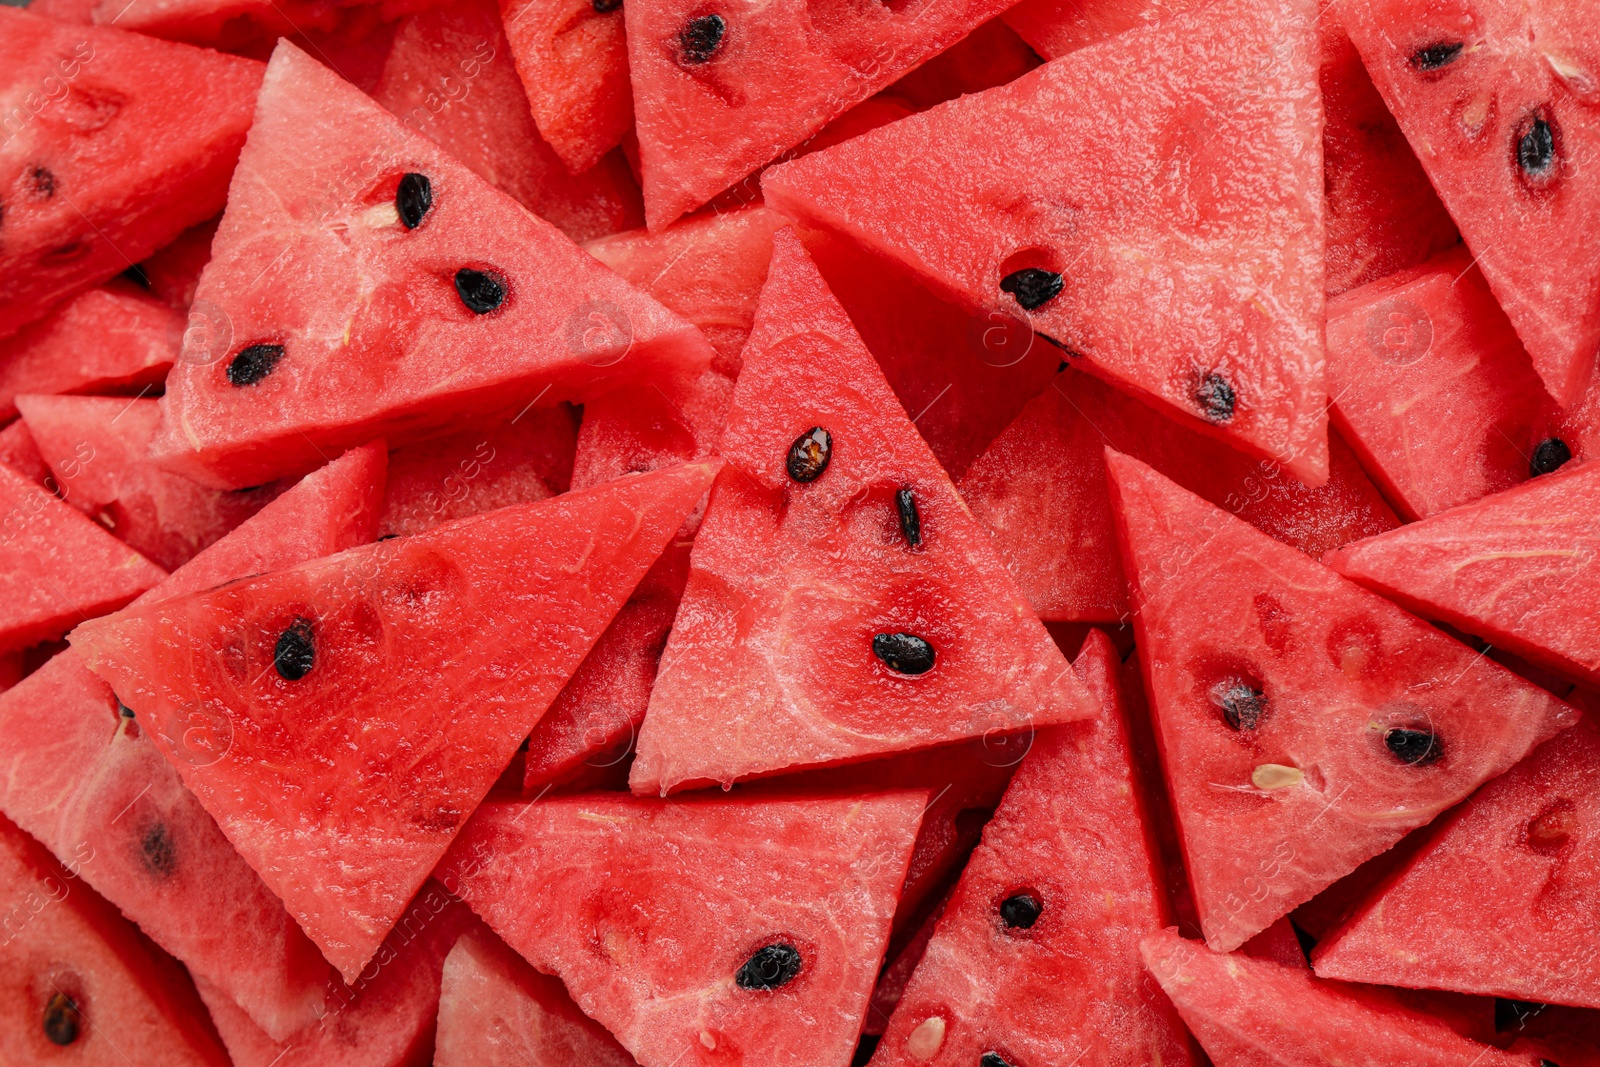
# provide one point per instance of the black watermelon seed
(772, 966)
(44, 182)
(700, 38)
(413, 199)
(809, 454)
(605, 7)
(1032, 286)
(481, 291)
(123, 710)
(910, 518)
(903, 653)
(992, 1059)
(1021, 910)
(157, 851)
(137, 275)
(1215, 397)
(296, 652)
(1548, 455)
(1536, 149)
(1436, 55)
(1514, 1014)
(62, 1020)
(1414, 747)
(252, 364)
(1242, 706)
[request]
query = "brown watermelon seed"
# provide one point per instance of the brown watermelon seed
(157, 851)
(1417, 748)
(992, 1059)
(1021, 910)
(62, 1020)
(700, 39)
(809, 455)
(605, 7)
(771, 966)
(903, 653)
(1553, 827)
(1535, 150)
(1032, 286)
(910, 518)
(482, 291)
(123, 710)
(1243, 706)
(1548, 456)
(296, 651)
(253, 363)
(1215, 397)
(413, 199)
(1436, 56)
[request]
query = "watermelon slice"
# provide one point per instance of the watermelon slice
(1433, 390)
(1256, 1013)
(496, 1011)
(93, 113)
(829, 614)
(573, 58)
(172, 274)
(796, 897)
(1517, 569)
(1150, 203)
(1497, 99)
(312, 714)
(1528, 844)
(1041, 493)
(99, 450)
(526, 458)
(109, 339)
(87, 782)
(1305, 723)
(77, 982)
(1050, 912)
(58, 567)
(450, 77)
(18, 452)
(384, 340)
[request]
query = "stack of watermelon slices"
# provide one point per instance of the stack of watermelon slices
(696, 535)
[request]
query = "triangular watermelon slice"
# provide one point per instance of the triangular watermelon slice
(330, 716)
(1528, 844)
(1255, 1013)
(1040, 491)
(85, 779)
(573, 59)
(1517, 569)
(1036, 959)
(1497, 99)
(496, 1011)
(1305, 723)
(364, 284)
(833, 611)
(108, 339)
(58, 567)
(716, 94)
(1152, 203)
(779, 910)
(77, 982)
(99, 450)
(450, 77)
(91, 114)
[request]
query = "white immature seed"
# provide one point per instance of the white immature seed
(1275, 776)
(926, 1040)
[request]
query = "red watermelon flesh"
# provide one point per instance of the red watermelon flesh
(1329, 909)
(573, 59)
(1056, 27)
(793, 583)
(98, 447)
(450, 77)
(173, 273)
(58, 567)
(80, 12)
(1528, 844)
(717, 94)
(341, 325)
(1178, 247)
(384, 1018)
(808, 881)
(18, 452)
(13, 668)
(1256, 1013)
(1069, 845)
(1277, 943)
(1431, 387)
(901, 965)
(114, 144)
(496, 1011)
(77, 982)
(1356, 722)
(1041, 493)
(108, 339)
(79, 776)
(1517, 569)
(1497, 98)
(343, 767)
(523, 459)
